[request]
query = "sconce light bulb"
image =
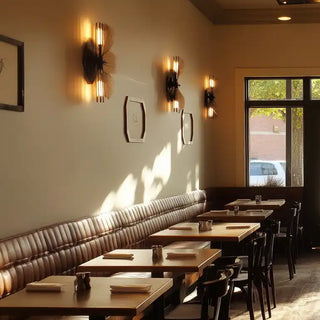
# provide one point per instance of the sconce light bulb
(212, 82)
(99, 35)
(210, 112)
(100, 91)
(175, 106)
(176, 64)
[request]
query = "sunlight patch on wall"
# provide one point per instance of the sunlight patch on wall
(155, 178)
(197, 176)
(179, 142)
(189, 182)
(124, 197)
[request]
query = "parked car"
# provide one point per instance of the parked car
(267, 172)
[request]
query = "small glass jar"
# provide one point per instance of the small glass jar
(202, 225)
(82, 281)
(258, 198)
(236, 210)
(157, 253)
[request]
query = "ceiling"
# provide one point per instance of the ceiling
(258, 11)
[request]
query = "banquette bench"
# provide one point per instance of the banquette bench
(60, 248)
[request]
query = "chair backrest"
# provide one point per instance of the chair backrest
(212, 292)
(257, 247)
(292, 223)
(296, 222)
(271, 228)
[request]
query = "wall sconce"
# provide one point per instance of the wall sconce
(92, 61)
(209, 97)
(172, 84)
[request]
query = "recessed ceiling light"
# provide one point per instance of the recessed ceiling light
(284, 18)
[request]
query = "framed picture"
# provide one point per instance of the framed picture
(11, 74)
(186, 127)
(134, 119)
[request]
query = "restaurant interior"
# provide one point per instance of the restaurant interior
(159, 159)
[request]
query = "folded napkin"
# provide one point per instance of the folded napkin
(131, 288)
(243, 199)
(219, 211)
(181, 255)
(237, 227)
(180, 228)
(43, 286)
(127, 256)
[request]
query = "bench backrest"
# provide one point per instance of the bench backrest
(60, 248)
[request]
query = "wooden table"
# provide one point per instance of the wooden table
(220, 232)
(242, 216)
(142, 262)
(245, 204)
(97, 302)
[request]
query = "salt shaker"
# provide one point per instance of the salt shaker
(258, 198)
(82, 281)
(156, 253)
(236, 210)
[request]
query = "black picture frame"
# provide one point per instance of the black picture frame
(186, 140)
(19, 97)
(140, 119)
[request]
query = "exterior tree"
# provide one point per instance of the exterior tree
(282, 89)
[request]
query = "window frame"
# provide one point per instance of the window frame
(288, 104)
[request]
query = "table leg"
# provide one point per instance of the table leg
(158, 308)
(158, 305)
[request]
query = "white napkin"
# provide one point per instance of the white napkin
(181, 255)
(237, 227)
(44, 286)
(180, 228)
(131, 288)
(109, 255)
(219, 211)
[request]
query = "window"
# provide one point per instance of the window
(274, 130)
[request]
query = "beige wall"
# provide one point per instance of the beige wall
(252, 50)
(65, 157)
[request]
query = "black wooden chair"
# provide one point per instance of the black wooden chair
(271, 228)
(246, 280)
(210, 294)
(289, 240)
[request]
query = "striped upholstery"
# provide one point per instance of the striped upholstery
(60, 248)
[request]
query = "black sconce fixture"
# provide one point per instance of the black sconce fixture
(209, 98)
(92, 61)
(172, 84)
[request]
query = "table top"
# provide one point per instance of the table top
(97, 301)
(229, 216)
(244, 204)
(142, 261)
(219, 232)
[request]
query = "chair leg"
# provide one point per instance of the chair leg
(260, 293)
(250, 300)
(273, 289)
(217, 309)
(266, 288)
(226, 302)
(290, 262)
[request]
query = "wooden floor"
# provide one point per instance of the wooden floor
(298, 299)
